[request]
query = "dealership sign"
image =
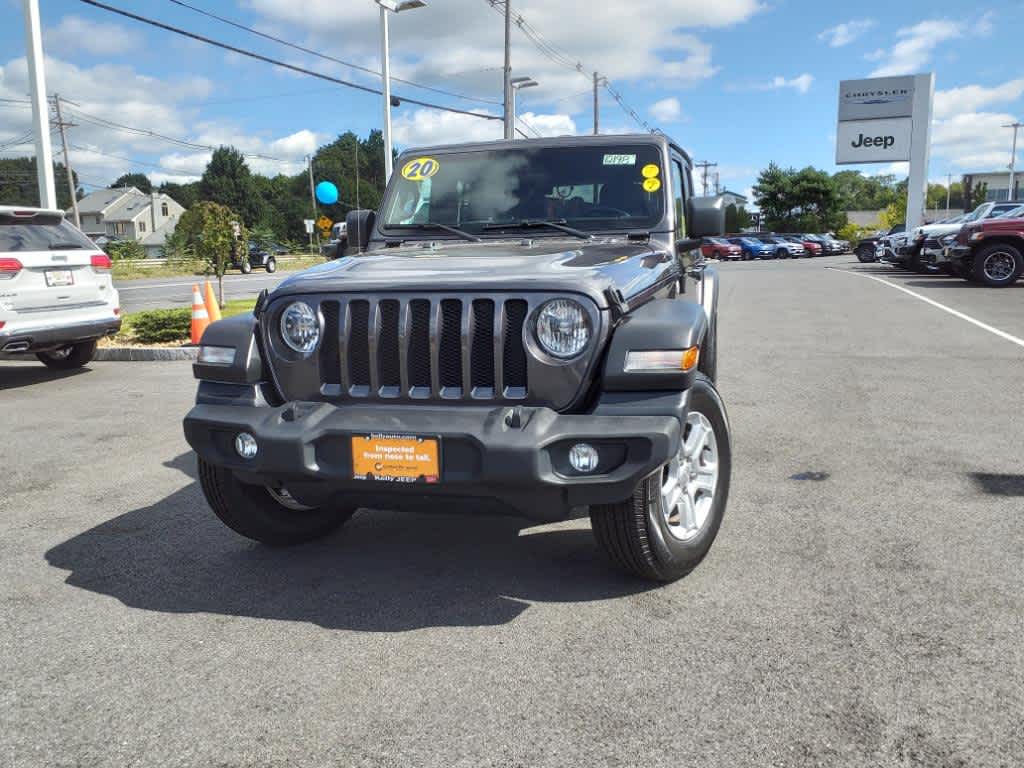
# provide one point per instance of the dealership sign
(873, 141)
(888, 120)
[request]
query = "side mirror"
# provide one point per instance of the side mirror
(359, 225)
(706, 216)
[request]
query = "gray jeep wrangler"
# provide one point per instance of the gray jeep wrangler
(524, 327)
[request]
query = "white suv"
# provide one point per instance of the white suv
(56, 294)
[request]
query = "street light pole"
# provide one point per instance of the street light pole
(510, 124)
(394, 6)
(40, 107)
(515, 84)
(1013, 157)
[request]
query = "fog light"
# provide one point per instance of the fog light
(583, 457)
(245, 445)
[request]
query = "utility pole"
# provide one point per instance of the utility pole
(949, 189)
(67, 159)
(40, 108)
(1013, 158)
(312, 196)
(597, 108)
(704, 165)
(509, 117)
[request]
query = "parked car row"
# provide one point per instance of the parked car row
(984, 246)
(771, 245)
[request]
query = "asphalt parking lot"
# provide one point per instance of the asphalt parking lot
(862, 605)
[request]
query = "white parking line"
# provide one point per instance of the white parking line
(984, 326)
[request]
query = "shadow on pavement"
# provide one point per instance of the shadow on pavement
(998, 485)
(17, 376)
(382, 572)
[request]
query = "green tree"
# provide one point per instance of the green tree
(125, 249)
(185, 195)
(228, 181)
(773, 193)
(19, 186)
(213, 232)
(979, 194)
(138, 180)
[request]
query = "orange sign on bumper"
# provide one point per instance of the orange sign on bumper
(396, 458)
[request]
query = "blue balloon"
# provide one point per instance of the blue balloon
(326, 193)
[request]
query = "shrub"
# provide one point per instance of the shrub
(156, 326)
(120, 250)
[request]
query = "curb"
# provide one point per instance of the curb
(145, 354)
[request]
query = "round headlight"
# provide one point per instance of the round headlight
(300, 327)
(563, 328)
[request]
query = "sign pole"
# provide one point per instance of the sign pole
(920, 149)
(40, 105)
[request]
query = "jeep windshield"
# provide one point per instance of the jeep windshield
(510, 190)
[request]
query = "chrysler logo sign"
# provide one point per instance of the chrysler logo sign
(880, 97)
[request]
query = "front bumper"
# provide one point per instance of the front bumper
(43, 337)
(502, 459)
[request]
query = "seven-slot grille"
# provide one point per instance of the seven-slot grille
(424, 347)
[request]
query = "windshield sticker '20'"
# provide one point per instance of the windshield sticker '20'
(420, 169)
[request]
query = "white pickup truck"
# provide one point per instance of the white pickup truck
(57, 298)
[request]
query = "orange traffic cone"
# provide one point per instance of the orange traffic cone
(200, 317)
(212, 307)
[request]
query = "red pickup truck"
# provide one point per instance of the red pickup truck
(990, 251)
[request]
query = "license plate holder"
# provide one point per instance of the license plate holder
(395, 458)
(59, 278)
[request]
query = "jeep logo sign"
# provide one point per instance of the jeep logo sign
(873, 141)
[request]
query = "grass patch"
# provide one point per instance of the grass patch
(137, 271)
(167, 327)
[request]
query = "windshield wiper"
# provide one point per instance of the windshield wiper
(433, 225)
(559, 224)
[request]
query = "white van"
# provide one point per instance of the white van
(57, 298)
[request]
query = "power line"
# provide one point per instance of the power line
(278, 62)
(239, 25)
(134, 161)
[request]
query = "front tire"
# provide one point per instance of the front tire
(997, 265)
(71, 356)
(865, 255)
(271, 265)
(267, 515)
(668, 525)
(246, 267)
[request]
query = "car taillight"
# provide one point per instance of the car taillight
(9, 268)
(101, 261)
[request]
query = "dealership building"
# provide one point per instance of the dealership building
(997, 185)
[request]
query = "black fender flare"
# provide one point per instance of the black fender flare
(661, 324)
(238, 332)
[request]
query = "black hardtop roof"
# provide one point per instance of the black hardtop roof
(602, 140)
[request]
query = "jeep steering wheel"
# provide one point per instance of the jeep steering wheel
(619, 213)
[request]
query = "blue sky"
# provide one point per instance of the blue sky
(740, 82)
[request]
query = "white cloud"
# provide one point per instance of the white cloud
(76, 33)
(914, 46)
(101, 153)
(427, 127)
(846, 33)
(970, 98)
(465, 40)
(667, 110)
(801, 83)
(972, 141)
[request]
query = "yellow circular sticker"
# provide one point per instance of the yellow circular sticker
(650, 171)
(421, 168)
(652, 185)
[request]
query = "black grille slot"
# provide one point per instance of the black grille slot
(450, 349)
(482, 345)
(359, 344)
(387, 346)
(419, 343)
(330, 355)
(514, 358)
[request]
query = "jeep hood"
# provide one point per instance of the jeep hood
(541, 264)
